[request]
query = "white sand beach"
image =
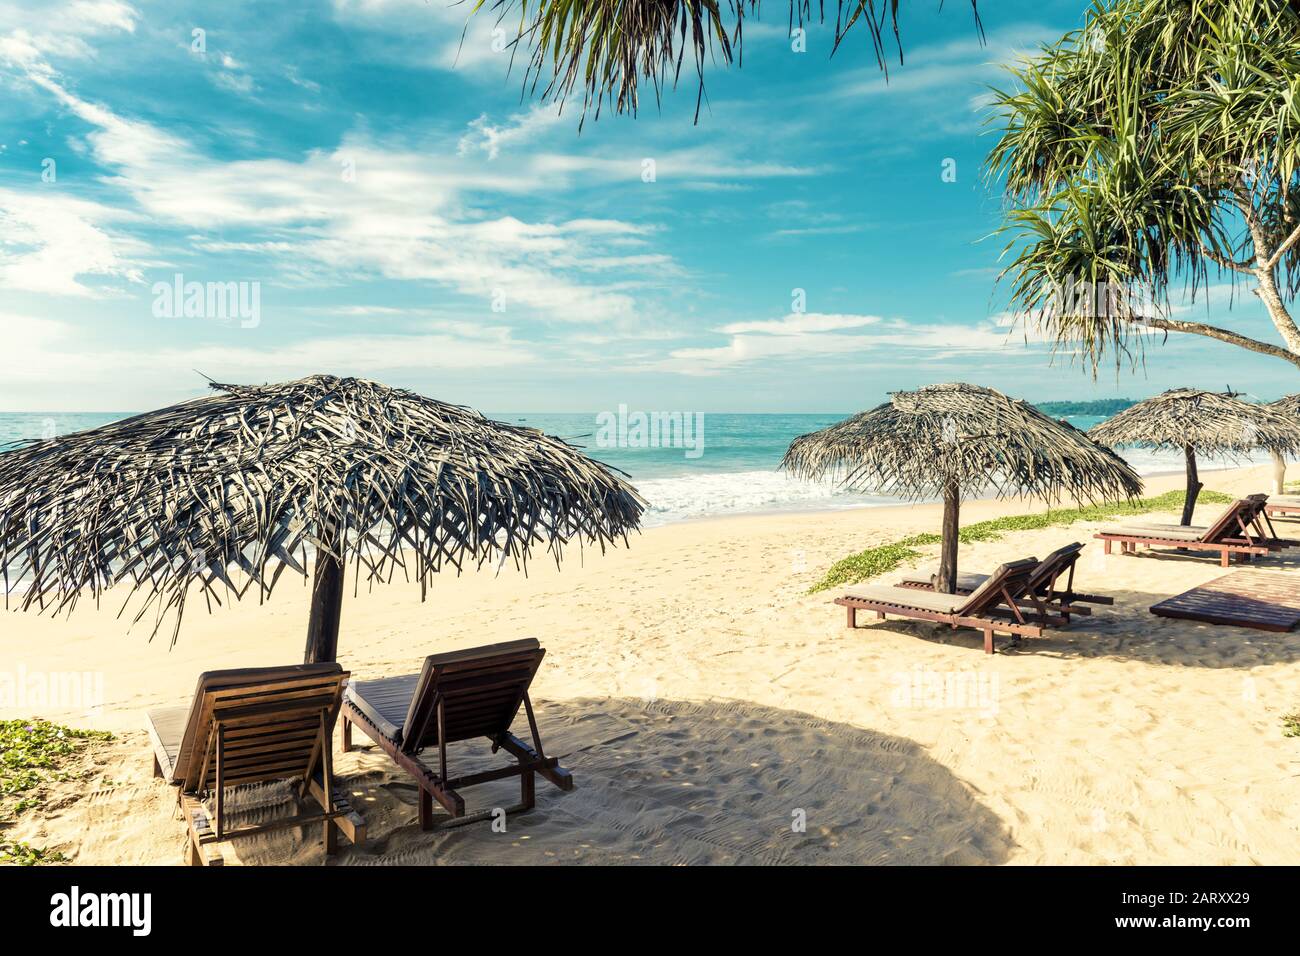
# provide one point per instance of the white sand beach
(705, 703)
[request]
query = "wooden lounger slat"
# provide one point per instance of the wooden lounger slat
(290, 758)
(252, 733)
(254, 742)
(479, 708)
(484, 685)
(259, 775)
(274, 713)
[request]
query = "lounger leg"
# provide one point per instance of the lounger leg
(331, 838)
(527, 791)
(426, 810)
(347, 735)
(853, 617)
(988, 640)
(195, 858)
(1225, 558)
(157, 767)
(349, 823)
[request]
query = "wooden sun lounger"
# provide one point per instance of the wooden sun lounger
(249, 726)
(1264, 526)
(1045, 582)
(1242, 530)
(1255, 519)
(991, 607)
(1283, 506)
(459, 695)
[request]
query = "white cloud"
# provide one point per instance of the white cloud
(933, 86)
(35, 347)
(360, 209)
(31, 33)
(433, 34)
(486, 137)
(940, 67)
(803, 231)
(240, 83)
(50, 241)
(798, 323)
(367, 208)
(803, 335)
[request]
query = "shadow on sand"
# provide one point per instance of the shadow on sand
(675, 782)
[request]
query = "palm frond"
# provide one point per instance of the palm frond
(1134, 152)
(609, 49)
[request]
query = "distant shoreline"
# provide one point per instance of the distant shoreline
(1102, 408)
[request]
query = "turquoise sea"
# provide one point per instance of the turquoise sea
(712, 464)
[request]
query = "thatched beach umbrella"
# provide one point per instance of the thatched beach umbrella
(946, 441)
(1192, 420)
(228, 490)
(1289, 406)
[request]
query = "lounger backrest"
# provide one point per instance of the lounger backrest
(1259, 503)
(1229, 523)
(271, 718)
(1054, 565)
(481, 690)
(1012, 576)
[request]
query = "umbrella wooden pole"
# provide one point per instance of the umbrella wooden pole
(946, 580)
(1279, 473)
(1193, 485)
(326, 606)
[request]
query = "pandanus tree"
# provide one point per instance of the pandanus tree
(1289, 406)
(952, 441)
(1191, 420)
(609, 49)
(215, 497)
(1151, 149)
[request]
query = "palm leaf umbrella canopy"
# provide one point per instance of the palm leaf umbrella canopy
(946, 441)
(225, 491)
(1288, 405)
(1193, 420)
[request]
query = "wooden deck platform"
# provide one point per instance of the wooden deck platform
(1259, 599)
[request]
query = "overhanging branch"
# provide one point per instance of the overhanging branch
(1222, 335)
(1280, 251)
(1224, 262)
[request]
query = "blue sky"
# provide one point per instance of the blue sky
(408, 217)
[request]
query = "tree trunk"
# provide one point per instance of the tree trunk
(326, 606)
(1279, 473)
(1193, 485)
(945, 581)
